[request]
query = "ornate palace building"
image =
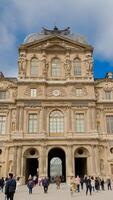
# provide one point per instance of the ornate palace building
(55, 118)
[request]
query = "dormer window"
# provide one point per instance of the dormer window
(76, 67)
(108, 95)
(34, 67)
(56, 67)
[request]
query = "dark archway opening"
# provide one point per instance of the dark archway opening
(56, 164)
(80, 166)
(31, 167)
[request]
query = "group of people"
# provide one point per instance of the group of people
(33, 181)
(91, 184)
(76, 184)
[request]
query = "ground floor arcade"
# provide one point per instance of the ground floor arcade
(50, 160)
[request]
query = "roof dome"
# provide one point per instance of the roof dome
(46, 32)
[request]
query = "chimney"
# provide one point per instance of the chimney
(109, 75)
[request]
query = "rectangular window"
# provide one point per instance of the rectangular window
(32, 123)
(109, 122)
(79, 92)
(34, 71)
(33, 92)
(79, 122)
(108, 95)
(2, 124)
(2, 94)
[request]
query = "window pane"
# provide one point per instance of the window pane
(79, 122)
(2, 124)
(107, 95)
(56, 122)
(109, 122)
(34, 67)
(56, 67)
(77, 67)
(33, 92)
(32, 123)
(2, 94)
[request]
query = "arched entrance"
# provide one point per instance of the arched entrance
(80, 161)
(31, 163)
(56, 164)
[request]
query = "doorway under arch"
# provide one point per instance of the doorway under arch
(80, 161)
(31, 163)
(56, 164)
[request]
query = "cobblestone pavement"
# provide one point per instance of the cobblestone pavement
(54, 194)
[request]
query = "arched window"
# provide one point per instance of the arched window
(34, 67)
(76, 67)
(56, 122)
(56, 67)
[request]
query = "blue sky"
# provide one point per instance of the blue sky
(90, 18)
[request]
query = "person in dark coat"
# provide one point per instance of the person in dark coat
(30, 185)
(2, 183)
(45, 183)
(10, 187)
(88, 185)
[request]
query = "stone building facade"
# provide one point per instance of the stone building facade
(55, 114)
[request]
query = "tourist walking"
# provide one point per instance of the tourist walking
(73, 185)
(109, 184)
(30, 185)
(88, 185)
(57, 181)
(45, 183)
(78, 183)
(102, 184)
(2, 183)
(10, 187)
(93, 183)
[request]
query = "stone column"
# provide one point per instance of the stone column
(15, 160)
(17, 119)
(9, 122)
(41, 161)
(19, 159)
(21, 116)
(97, 161)
(6, 161)
(93, 161)
(43, 119)
(69, 163)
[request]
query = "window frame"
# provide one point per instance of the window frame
(77, 68)
(34, 129)
(35, 66)
(79, 122)
(56, 68)
(3, 123)
(56, 123)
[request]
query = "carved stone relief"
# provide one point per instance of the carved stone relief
(74, 91)
(56, 92)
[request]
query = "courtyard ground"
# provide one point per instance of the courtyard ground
(54, 194)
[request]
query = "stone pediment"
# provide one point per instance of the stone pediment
(4, 85)
(55, 42)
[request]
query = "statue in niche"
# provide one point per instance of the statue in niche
(13, 120)
(22, 64)
(89, 63)
(67, 65)
(44, 64)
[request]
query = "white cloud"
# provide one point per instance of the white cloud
(92, 18)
